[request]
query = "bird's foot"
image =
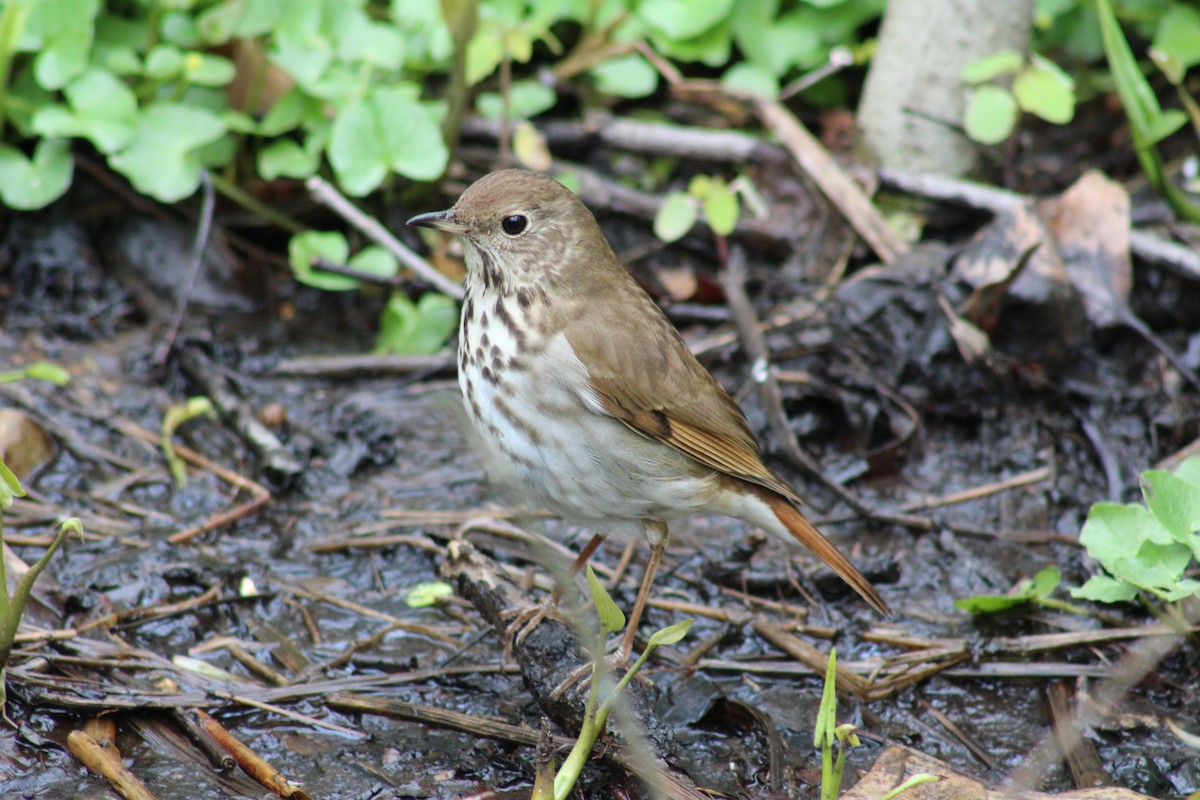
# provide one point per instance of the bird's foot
(581, 676)
(525, 620)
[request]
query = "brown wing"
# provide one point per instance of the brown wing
(646, 377)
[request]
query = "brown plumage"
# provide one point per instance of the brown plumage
(584, 393)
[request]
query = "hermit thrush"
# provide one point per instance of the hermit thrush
(576, 381)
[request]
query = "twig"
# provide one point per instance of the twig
(258, 493)
(359, 365)
(841, 190)
(325, 194)
(1181, 259)
(195, 262)
(1139, 661)
(107, 764)
(958, 733)
(219, 389)
(1082, 759)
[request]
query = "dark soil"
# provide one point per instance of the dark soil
(93, 289)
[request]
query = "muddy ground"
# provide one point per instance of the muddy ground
(873, 384)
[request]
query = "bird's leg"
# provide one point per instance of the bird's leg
(656, 532)
(525, 620)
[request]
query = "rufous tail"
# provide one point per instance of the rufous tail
(814, 540)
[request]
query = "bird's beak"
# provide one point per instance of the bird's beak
(440, 220)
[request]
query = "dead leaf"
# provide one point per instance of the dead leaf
(1090, 223)
(25, 446)
(897, 764)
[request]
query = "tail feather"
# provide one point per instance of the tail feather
(814, 540)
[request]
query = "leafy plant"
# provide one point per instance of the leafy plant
(11, 607)
(1034, 591)
(38, 370)
(596, 711)
(416, 328)
(710, 196)
(1038, 87)
(1146, 548)
(828, 736)
(1149, 124)
(177, 415)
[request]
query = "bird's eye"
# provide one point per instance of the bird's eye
(514, 225)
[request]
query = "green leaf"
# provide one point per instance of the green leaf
(675, 217)
(484, 53)
(988, 67)
(775, 45)
(421, 328)
(204, 69)
(1045, 582)
(290, 111)
(628, 76)
(991, 114)
(526, 100)
(827, 710)
(427, 594)
(165, 62)
(26, 184)
(1178, 34)
(1044, 90)
(612, 619)
(1189, 471)
(669, 635)
(163, 159)
(64, 30)
(1174, 502)
(387, 131)
(1163, 125)
(375, 260)
(10, 486)
(305, 248)
(682, 19)
(721, 209)
(48, 371)
(286, 158)
(102, 109)
(747, 77)
(1103, 589)
(368, 42)
(1042, 585)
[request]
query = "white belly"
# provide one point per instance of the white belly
(540, 433)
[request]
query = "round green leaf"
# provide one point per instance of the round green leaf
(1045, 92)
(626, 76)
(721, 209)
(305, 248)
(374, 260)
(423, 327)
(991, 114)
(675, 217)
(102, 109)
(387, 131)
(526, 100)
(204, 69)
(747, 77)
(26, 184)
(1178, 34)
(164, 62)
(683, 19)
(285, 158)
(64, 30)
(163, 160)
